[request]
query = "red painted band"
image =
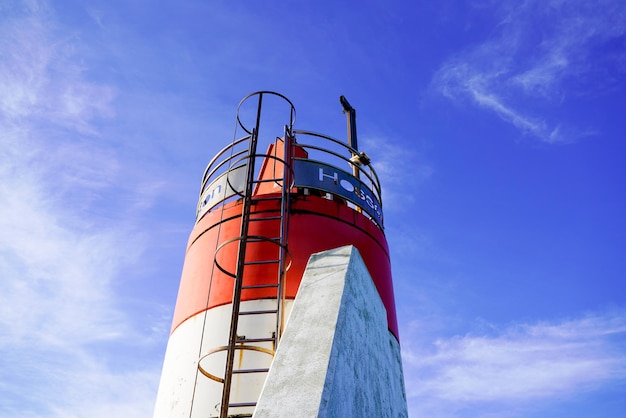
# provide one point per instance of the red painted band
(316, 224)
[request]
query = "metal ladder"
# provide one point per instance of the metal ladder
(238, 342)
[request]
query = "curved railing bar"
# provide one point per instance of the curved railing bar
(227, 147)
(224, 348)
(375, 181)
(336, 141)
(220, 153)
(280, 160)
(341, 157)
(240, 238)
(232, 165)
(292, 113)
(319, 135)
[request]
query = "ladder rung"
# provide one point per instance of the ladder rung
(266, 218)
(265, 239)
(272, 180)
(241, 404)
(251, 263)
(259, 312)
(254, 340)
(259, 286)
(243, 371)
(255, 198)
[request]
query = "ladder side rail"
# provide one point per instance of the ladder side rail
(284, 230)
(232, 338)
(280, 239)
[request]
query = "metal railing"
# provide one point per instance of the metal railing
(224, 179)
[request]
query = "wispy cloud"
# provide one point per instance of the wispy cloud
(400, 170)
(61, 254)
(536, 49)
(39, 77)
(510, 369)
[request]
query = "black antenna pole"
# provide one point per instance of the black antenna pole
(351, 119)
(357, 159)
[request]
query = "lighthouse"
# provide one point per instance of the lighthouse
(285, 305)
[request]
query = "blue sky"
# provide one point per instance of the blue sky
(497, 128)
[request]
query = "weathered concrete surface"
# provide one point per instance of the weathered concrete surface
(336, 358)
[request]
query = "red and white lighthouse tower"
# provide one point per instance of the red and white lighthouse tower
(268, 201)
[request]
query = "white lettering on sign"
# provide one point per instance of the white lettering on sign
(226, 185)
(349, 187)
(320, 176)
(335, 176)
(211, 194)
(367, 198)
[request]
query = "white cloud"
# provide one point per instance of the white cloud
(513, 368)
(61, 252)
(535, 49)
(40, 79)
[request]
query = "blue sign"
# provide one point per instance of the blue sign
(330, 179)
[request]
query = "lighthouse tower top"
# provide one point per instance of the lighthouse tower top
(315, 162)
